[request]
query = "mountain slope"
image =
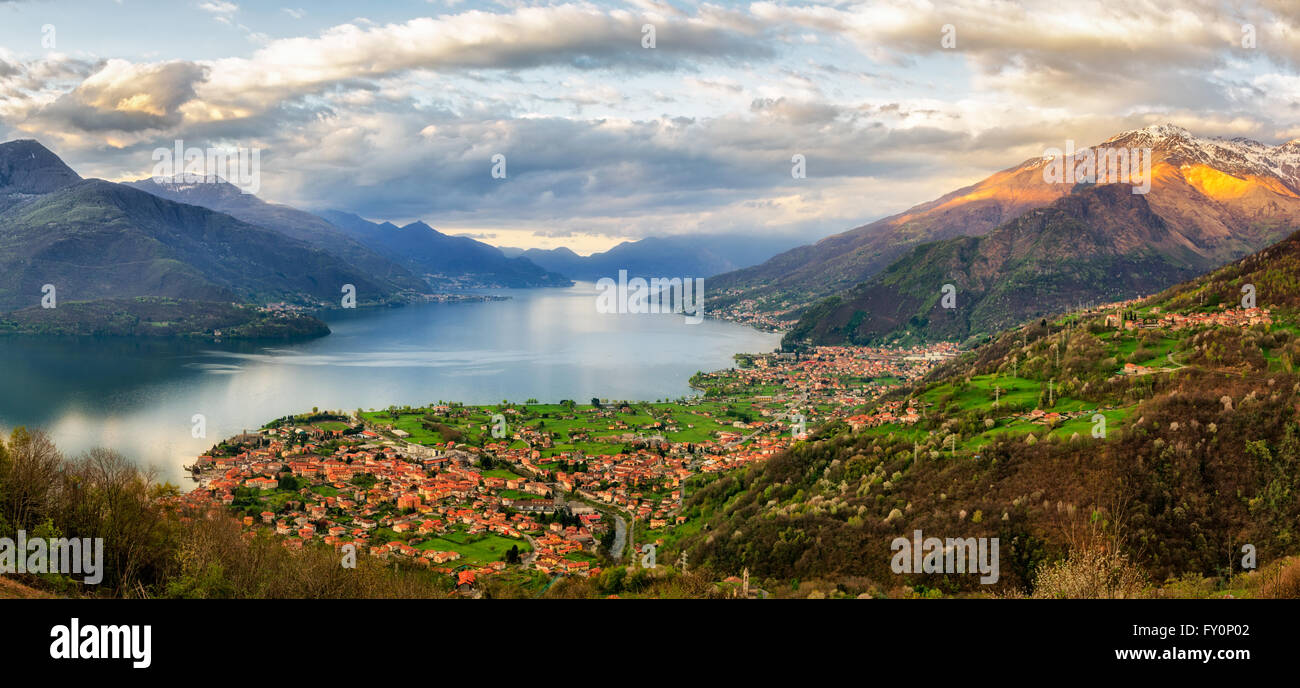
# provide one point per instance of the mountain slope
(29, 169)
(224, 197)
(1101, 243)
(1225, 197)
(1199, 453)
(1273, 274)
(445, 261)
(806, 273)
(95, 239)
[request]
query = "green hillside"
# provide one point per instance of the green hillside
(1198, 455)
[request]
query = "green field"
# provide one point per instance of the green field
(502, 473)
(581, 427)
(1082, 425)
(517, 495)
(475, 550)
(1015, 393)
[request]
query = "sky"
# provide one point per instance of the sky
(395, 110)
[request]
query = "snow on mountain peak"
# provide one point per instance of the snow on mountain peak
(1168, 130)
(1238, 156)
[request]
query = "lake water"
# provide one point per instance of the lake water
(139, 397)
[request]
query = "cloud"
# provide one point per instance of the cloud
(126, 97)
(219, 7)
(1095, 51)
(604, 137)
(573, 36)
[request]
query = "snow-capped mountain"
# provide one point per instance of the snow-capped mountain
(1220, 199)
(1240, 157)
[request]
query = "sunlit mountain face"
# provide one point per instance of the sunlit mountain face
(1220, 198)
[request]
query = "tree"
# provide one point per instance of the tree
(28, 472)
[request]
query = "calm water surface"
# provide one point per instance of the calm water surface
(139, 396)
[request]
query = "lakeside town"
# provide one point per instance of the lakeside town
(557, 489)
(751, 312)
(564, 489)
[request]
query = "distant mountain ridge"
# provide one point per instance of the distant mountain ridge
(681, 256)
(445, 261)
(420, 259)
(219, 195)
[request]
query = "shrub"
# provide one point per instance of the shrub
(1093, 573)
(1285, 585)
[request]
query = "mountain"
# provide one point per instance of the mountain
(563, 256)
(1271, 276)
(1197, 453)
(445, 261)
(94, 239)
(1101, 243)
(1225, 198)
(28, 169)
(676, 256)
(221, 196)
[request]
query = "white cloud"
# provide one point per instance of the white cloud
(607, 138)
(219, 7)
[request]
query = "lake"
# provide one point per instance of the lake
(140, 397)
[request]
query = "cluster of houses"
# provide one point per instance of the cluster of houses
(1228, 317)
(1135, 369)
(283, 308)
(1051, 418)
(414, 496)
(648, 480)
(885, 414)
(749, 312)
(645, 477)
(641, 482)
(834, 374)
(393, 499)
